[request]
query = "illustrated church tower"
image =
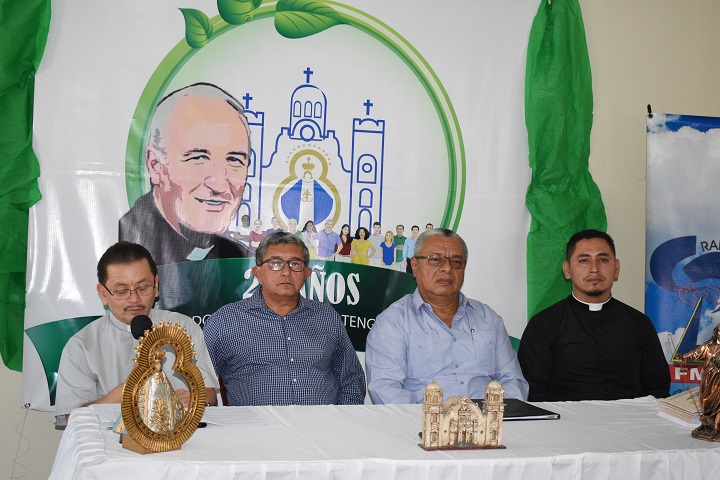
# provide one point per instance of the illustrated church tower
(306, 177)
(301, 179)
(250, 204)
(368, 157)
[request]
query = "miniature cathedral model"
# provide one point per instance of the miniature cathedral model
(459, 423)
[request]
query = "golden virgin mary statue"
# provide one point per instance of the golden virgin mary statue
(158, 404)
(152, 412)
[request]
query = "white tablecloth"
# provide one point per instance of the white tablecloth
(623, 440)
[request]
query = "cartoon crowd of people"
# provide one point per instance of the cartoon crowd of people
(389, 250)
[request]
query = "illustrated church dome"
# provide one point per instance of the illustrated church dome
(307, 115)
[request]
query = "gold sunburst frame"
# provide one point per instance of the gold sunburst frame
(147, 439)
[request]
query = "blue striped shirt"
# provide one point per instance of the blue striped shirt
(409, 346)
(303, 358)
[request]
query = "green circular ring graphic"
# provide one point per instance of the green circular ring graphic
(136, 178)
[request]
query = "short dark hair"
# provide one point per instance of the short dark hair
(280, 238)
(587, 235)
(375, 223)
(430, 225)
(400, 225)
(439, 232)
(124, 253)
(414, 226)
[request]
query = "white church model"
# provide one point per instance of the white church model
(460, 424)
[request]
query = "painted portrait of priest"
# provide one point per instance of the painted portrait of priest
(197, 156)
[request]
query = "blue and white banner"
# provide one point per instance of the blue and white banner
(405, 112)
(683, 246)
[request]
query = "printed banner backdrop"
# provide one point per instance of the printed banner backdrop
(399, 112)
(683, 249)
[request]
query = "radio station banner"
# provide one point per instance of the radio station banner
(407, 113)
(683, 247)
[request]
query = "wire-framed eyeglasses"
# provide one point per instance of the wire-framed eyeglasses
(277, 264)
(125, 293)
(437, 260)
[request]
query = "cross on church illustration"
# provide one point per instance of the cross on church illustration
(311, 174)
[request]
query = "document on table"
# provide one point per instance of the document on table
(235, 416)
(106, 412)
(518, 410)
(109, 413)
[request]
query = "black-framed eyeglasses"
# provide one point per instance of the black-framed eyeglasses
(125, 293)
(277, 264)
(437, 260)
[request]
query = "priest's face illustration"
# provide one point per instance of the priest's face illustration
(592, 269)
(198, 164)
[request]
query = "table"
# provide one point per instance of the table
(624, 439)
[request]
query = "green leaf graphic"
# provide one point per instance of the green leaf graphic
(237, 12)
(302, 18)
(198, 28)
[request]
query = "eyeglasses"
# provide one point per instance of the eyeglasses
(437, 260)
(277, 264)
(125, 293)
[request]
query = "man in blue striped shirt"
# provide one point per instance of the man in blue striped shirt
(438, 334)
(279, 348)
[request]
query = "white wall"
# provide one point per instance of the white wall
(657, 52)
(641, 51)
(40, 439)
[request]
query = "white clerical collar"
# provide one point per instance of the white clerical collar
(199, 253)
(593, 307)
(118, 323)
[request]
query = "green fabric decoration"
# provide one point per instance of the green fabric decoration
(23, 33)
(562, 197)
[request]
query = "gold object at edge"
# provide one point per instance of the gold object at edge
(141, 435)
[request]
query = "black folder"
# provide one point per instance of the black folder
(518, 410)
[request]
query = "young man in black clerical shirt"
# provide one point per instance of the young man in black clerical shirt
(590, 346)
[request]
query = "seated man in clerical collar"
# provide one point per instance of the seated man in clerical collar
(590, 346)
(97, 360)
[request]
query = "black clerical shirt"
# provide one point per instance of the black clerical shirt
(144, 224)
(568, 352)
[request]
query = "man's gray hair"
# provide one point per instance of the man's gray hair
(163, 110)
(439, 232)
(280, 238)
